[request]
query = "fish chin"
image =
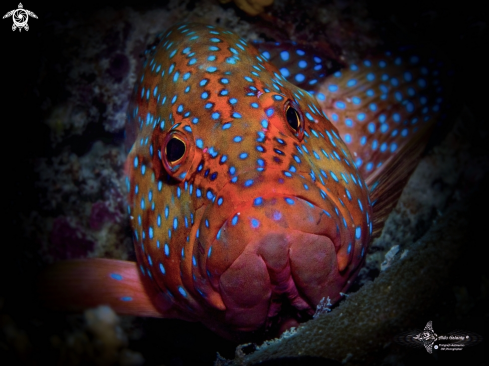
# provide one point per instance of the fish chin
(287, 260)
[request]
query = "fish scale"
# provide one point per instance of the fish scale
(243, 195)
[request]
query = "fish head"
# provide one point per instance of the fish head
(242, 194)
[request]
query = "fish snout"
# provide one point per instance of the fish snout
(277, 250)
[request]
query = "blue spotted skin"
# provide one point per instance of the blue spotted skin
(265, 203)
(255, 210)
(303, 65)
(378, 105)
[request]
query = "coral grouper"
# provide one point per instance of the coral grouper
(256, 180)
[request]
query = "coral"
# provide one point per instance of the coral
(323, 307)
(89, 193)
(389, 257)
(101, 213)
(68, 240)
(100, 341)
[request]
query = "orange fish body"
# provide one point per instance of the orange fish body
(247, 207)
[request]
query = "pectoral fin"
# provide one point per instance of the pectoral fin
(79, 284)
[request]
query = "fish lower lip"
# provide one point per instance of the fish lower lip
(300, 268)
(283, 247)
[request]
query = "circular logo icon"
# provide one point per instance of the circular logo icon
(20, 17)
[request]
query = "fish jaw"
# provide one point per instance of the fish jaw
(279, 264)
(264, 256)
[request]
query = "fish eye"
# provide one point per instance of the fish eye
(293, 118)
(175, 150)
(295, 121)
(174, 153)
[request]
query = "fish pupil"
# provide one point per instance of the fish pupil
(293, 118)
(175, 149)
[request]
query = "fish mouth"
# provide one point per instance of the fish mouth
(317, 228)
(280, 250)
